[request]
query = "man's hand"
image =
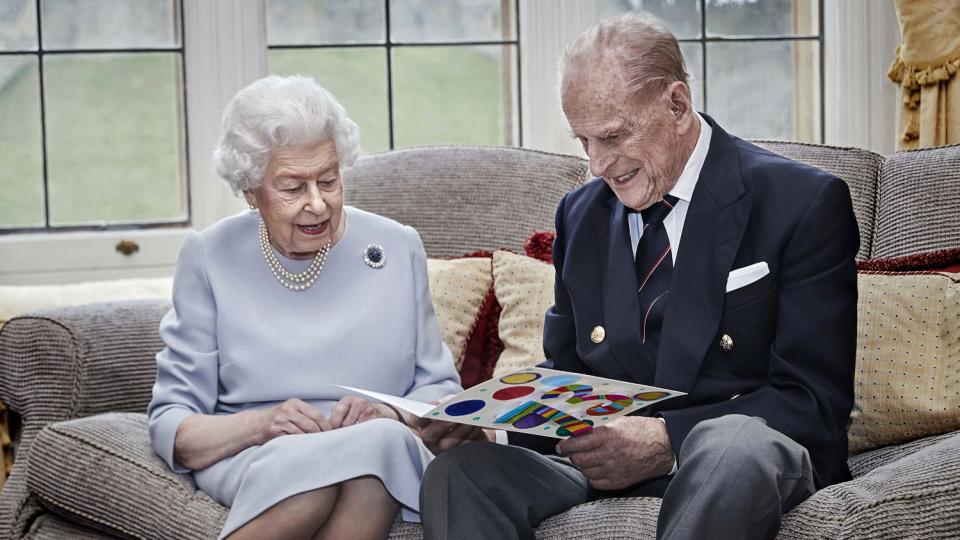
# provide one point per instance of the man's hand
(619, 454)
(440, 436)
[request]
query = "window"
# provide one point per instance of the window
(755, 64)
(91, 97)
(409, 72)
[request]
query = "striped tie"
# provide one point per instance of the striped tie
(654, 265)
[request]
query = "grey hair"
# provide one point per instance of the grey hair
(647, 51)
(276, 112)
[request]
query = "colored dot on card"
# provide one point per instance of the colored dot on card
(475, 418)
(463, 408)
(436, 414)
(482, 390)
(605, 418)
(520, 378)
(512, 392)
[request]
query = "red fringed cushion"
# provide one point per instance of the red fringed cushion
(944, 260)
(483, 345)
(540, 246)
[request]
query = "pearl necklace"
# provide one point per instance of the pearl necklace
(295, 282)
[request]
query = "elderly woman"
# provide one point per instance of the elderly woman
(275, 306)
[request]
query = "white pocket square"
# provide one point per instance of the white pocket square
(741, 277)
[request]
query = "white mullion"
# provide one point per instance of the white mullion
(547, 26)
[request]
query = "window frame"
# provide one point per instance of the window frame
(224, 43)
(225, 49)
(388, 45)
(40, 53)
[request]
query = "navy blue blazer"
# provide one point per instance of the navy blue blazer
(794, 331)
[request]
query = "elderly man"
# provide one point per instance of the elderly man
(697, 262)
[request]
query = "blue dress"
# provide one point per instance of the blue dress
(236, 340)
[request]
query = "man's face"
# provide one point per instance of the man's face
(635, 147)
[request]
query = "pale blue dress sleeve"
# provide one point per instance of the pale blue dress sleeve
(188, 367)
(436, 375)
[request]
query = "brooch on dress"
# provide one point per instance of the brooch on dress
(374, 256)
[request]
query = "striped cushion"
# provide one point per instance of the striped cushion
(919, 200)
(858, 168)
(465, 198)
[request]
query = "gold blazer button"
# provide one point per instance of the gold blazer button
(726, 342)
(597, 334)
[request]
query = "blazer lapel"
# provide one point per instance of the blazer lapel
(621, 310)
(716, 219)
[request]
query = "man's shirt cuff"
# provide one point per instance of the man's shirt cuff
(673, 471)
(501, 437)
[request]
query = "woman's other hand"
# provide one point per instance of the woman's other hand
(292, 417)
(351, 410)
(440, 436)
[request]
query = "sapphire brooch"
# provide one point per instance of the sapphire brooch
(374, 256)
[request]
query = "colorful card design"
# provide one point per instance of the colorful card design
(537, 401)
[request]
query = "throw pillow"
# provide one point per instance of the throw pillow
(908, 358)
(458, 288)
(540, 245)
(524, 289)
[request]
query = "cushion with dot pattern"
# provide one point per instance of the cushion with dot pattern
(524, 289)
(908, 358)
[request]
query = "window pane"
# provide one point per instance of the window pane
(18, 25)
(418, 21)
(108, 24)
(693, 58)
(21, 162)
(114, 130)
(766, 89)
(304, 22)
(454, 95)
(356, 76)
(682, 17)
(766, 18)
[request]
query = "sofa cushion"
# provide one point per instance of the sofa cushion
(908, 355)
(492, 197)
(524, 288)
(102, 469)
(858, 168)
(458, 288)
(919, 193)
(917, 496)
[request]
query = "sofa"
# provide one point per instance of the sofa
(78, 379)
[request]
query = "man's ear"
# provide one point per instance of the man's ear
(679, 96)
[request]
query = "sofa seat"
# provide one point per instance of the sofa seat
(101, 471)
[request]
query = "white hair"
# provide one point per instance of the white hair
(647, 51)
(276, 112)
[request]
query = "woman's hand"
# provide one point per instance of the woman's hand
(292, 417)
(440, 436)
(351, 410)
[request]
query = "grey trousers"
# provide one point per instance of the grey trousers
(735, 479)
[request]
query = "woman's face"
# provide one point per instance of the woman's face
(301, 199)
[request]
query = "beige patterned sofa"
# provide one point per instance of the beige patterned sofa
(79, 378)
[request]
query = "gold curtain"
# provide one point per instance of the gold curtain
(926, 66)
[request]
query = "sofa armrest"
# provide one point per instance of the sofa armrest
(71, 362)
(77, 361)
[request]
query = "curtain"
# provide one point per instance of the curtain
(926, 66)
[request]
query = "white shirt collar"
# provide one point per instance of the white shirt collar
(683, 190)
